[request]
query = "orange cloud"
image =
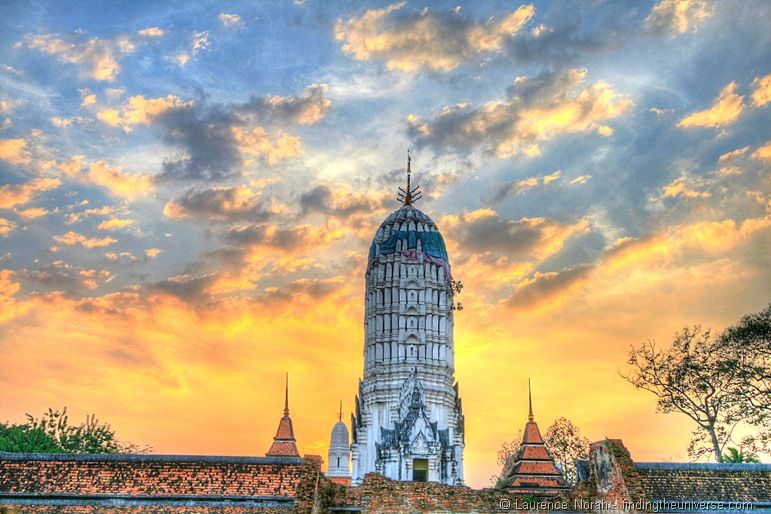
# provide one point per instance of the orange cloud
(11, 196)
(117, 181)
(257, 142)
(605, 131)
(685, 187)
(306, 109)
(633, 263)
(525, 184)
(73, 238)
(220, 204)
(677, 16)
(9, 287)
(32, 212)
(411, 41)
(547, 289)
(725, 110)
(98, 58)
(140, 110)
(6, 227)
(499, 253)
(72, 167)
(14, 151)
(559, 104)
(483, 230)
(678, 241)
(88, 99)
(763, 153)
(115, 224)
(733, 154)
(112, 178)
(761, 93)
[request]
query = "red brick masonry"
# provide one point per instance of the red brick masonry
(155, 484)
(281, 483)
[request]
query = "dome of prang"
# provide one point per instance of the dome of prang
(408, 228)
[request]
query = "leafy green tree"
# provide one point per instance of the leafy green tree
(734, 456)
(88, 437)
(24, 439)
(53, 433)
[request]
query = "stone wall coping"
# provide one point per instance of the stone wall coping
(121, 457)
(702, 466)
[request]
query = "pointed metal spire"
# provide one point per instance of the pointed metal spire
(530, 401)
(340, 414)
(286, 396)
(411, 194)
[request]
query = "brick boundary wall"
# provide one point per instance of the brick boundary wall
(77, 483)
(378, 494)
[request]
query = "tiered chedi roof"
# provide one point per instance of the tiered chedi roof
(284, 444)
(532, 469)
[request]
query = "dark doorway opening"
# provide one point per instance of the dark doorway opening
(420, 470)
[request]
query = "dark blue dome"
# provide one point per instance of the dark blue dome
(414, 228)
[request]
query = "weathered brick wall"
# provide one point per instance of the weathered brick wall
(614, 481)
(378, 494)
(155, 475)
(155, 483)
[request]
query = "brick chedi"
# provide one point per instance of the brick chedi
(284, 444)
(532, 469)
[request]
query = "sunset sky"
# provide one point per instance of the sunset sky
(188, 192)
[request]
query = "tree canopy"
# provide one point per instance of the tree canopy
(721, 381)
(566, 445)
(53, 433)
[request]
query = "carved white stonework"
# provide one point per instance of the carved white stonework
(408, 406)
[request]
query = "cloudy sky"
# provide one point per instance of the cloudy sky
(188, 193)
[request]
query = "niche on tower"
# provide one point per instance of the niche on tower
(412, 310)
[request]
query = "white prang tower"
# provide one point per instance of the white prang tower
(408, 423)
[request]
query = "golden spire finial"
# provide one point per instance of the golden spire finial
(530, 400)
(286, 396)
(409, 195)
(340, 414)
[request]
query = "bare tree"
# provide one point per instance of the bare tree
(506, 454)
(688, 378)
(720, 382)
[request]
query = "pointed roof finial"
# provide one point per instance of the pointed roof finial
(340, 414)
(411, 194)
(530, 401)
(286, 396)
